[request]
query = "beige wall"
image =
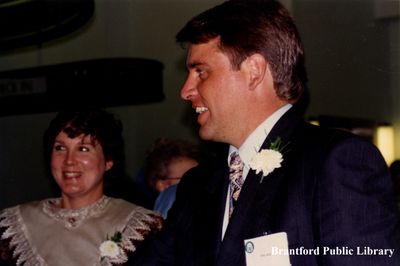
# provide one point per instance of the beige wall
(352, 55)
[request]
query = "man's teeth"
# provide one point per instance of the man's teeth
(200, 110)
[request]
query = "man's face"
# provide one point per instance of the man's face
(216, 92)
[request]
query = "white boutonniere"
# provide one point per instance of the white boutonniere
(112, 249)
(267, 160)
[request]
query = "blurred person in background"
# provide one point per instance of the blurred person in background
(166, 162)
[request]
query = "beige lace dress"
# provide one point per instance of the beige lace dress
(38, 233)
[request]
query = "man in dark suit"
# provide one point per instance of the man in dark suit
(328, 191)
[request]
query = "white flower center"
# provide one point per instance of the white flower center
(266, 161)
(109, 249)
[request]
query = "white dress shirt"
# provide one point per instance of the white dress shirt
(249, 148)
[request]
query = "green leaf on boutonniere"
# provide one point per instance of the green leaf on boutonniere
(277, 145)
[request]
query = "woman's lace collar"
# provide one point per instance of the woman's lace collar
(72, 218)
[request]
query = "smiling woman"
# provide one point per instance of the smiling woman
(82, 149)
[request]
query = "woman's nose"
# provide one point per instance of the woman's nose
(69, 158)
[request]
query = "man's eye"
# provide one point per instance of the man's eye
(202, 73)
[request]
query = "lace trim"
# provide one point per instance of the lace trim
(139, 223)
(24, 253)
(72, 218)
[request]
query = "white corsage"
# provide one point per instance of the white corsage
(112, 250)
(267, 160)
(109, 249)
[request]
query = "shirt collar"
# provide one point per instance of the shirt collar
(254, 141)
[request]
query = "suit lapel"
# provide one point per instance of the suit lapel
(253, 211)
(249, 216)
(272, 192)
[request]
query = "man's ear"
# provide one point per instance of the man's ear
(256, 67)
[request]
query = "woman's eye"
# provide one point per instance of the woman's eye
(59, 148)
(83, 148)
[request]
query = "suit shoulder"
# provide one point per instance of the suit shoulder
(318, 143)
(332, 136)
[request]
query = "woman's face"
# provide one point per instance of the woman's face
(78, 166)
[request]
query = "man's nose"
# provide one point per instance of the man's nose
(188, 89)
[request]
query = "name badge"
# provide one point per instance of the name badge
(259, 250)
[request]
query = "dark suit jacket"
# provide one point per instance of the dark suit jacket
(333, 190)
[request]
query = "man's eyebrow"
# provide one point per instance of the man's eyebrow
(194, 64)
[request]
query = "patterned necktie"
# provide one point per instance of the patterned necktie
(236, 180)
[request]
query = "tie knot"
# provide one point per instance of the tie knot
(235, 159)
(236, 164)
